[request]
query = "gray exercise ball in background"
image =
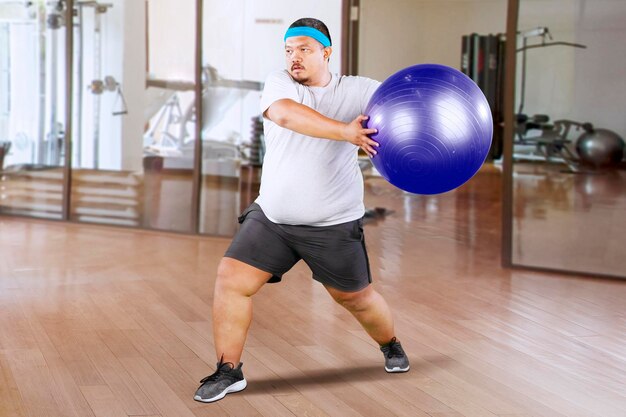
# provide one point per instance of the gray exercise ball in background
(600, 148)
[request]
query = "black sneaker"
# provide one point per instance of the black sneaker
(226, 379)
(395, 358)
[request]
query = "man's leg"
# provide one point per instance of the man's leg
(236, 283)
(370, 309)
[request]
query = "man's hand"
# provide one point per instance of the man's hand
(355, 133)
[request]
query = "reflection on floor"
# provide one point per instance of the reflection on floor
(562, 220)
(156, 199)
(574, 221)
(102, 321)
(36, 192)
(168, 200)
(99, 196)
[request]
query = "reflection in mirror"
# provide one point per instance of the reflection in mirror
(32, 108)
(134, 113)
(569, 174)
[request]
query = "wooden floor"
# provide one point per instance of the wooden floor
(111, 322)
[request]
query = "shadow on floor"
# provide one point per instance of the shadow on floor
(325, 378)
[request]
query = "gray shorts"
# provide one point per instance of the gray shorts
(336, 254)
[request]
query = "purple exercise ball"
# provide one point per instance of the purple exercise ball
(434, 128)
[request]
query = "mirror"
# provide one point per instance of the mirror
(32, 108)
(134, 113)
(569, 174)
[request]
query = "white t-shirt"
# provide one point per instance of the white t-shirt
(307, 180)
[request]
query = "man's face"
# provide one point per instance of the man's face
(306, 59)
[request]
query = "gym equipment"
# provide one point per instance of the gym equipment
(482, 59)
(600, 148)
(544, 33)
(595, 148)
(109, 83)
(91, 14)
(552, 143)
(257, 142)
(171, 121)
(434, 128)
(553, 137)
(4, 150)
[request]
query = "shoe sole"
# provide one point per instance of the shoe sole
(236, 387)
(397, 369)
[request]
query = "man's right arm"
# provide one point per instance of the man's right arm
(302, 119)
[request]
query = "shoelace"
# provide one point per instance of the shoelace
(395, 349)
(221, 369)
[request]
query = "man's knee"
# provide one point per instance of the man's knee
(354, 301)
(232, 278)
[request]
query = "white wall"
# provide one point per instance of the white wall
(243, 39)
(23, 122)
(172, 40)
(133, 82)
(600, 77)
(550, 71)
(395, 34)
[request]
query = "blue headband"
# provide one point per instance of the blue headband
(310, 32)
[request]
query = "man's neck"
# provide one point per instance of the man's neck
(322, 81)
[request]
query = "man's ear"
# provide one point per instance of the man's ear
(327, 52)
